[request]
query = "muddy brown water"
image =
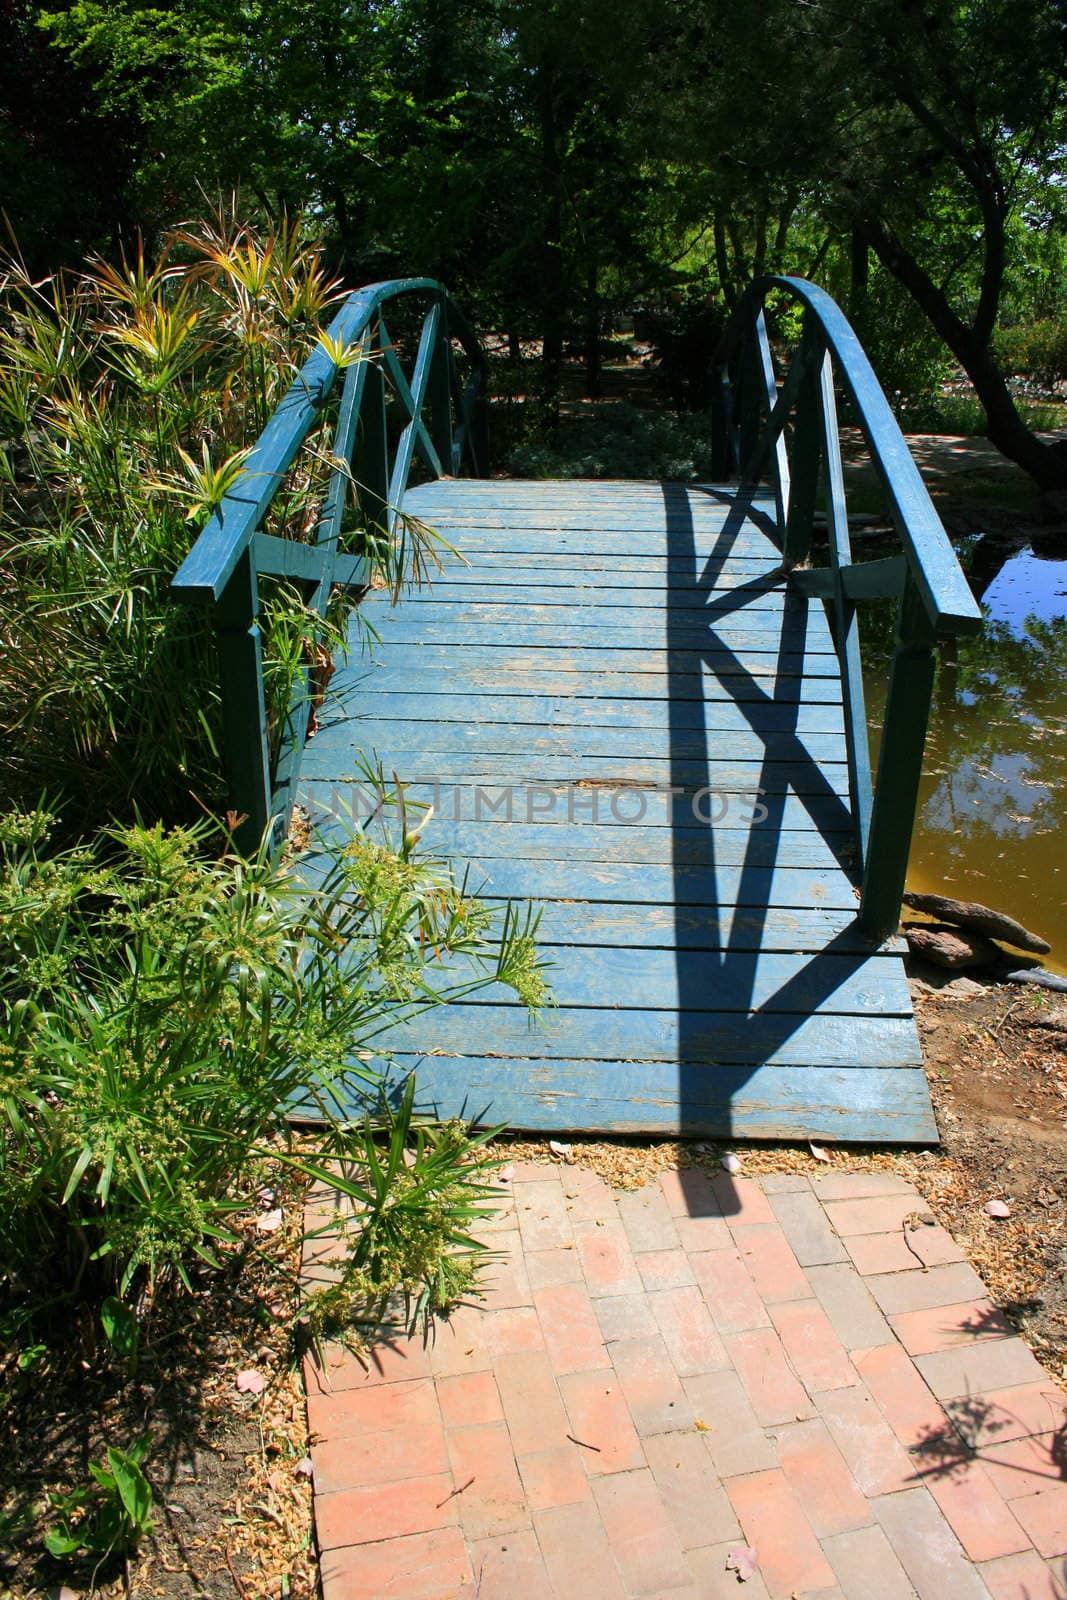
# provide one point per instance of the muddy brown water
(993, 803)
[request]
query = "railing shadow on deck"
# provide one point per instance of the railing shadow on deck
(736, 953)
(786, 433)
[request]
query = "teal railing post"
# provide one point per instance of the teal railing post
(439, 391)
(722, 462)
(244, 709)
(749, 403)
(807, 450)
(896, 792)
(371, 456)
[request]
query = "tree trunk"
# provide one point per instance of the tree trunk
(759, 254)
(593, 386)
(552, 249)
(1045, 463)
(722, 264)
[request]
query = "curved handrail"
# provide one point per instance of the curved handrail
(942, 586)
(214, 557)
(935, 601)
(443, 423)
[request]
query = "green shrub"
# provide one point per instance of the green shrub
(414, 1197)
(160, 1013)
(129, 398)
(1035, 350)
(910, 361)
(108, 1516)
(618, 440)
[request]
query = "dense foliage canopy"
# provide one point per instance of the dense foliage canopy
(554, 162)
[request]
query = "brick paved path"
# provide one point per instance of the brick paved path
(659, 1378)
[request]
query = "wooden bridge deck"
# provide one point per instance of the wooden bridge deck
(621, 667)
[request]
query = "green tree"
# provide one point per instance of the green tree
(65, 160)
(958, 129)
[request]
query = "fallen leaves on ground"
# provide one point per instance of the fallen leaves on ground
(744, 1560)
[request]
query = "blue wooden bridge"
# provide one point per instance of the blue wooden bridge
(638, 706)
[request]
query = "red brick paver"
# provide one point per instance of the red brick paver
(572, 1333)
(424, 1566)
(554, 1478)
(816, 1472)
(469, 1398)
(641, 1535)
(790, 1557)
(657, 1378)
(771, 1264)
(1024, 1577)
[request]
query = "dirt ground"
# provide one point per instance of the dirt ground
(232, 1501)
(997, 1066)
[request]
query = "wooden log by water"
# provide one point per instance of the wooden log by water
(978, 919)
(947, 947)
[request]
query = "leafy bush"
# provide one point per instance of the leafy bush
(911, 363)
(412, 1202)
(618, 440)
(160, 1014)
(128, 400)
(108, 1516)
(1036, 350)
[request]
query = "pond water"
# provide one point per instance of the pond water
(993, 804)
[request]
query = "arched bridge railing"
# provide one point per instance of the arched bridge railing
(386, 421)
(788, 432)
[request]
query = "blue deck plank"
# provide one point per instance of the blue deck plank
(487, 840)
(577, 741)
(640, 926)
(708, 979)
(678, 815)
(728, 643)
(483, 672)
(501, 569)
(331, 758)
(695, 614)
(652, 883)
(759, 595)
(578, 710)
(710, 544)
(770, 982)
(702, 1039)
(859, 1105)
(490, 837)
(685, 665)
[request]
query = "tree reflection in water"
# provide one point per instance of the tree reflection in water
(992, 804)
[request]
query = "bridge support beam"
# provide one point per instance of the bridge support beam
(244, 709)
(900, 761)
